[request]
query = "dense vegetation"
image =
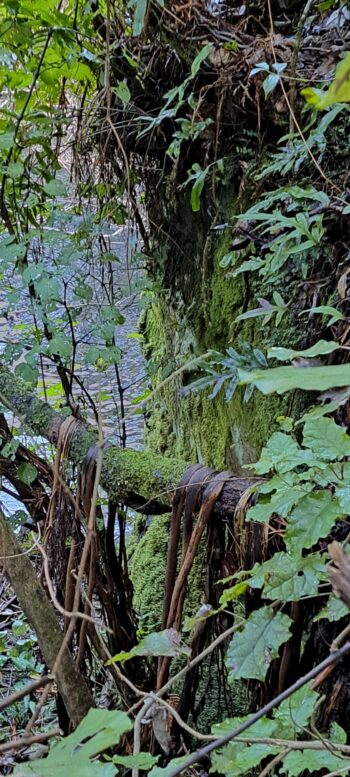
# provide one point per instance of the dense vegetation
(160, 615)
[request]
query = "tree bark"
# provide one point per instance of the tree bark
(141, 479)
(41, 616)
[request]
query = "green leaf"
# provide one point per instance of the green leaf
(295, 712)
(270, 84)
(313, 761)
(99, 730)
(160, 643)
(281, 453)
(327, 439)
(281, 379)
(140, 9)
(237, 758)
(288, 578)
(326, 310)
(251, 651)
(313, 518)
(26, 372)
(337, 92)
(27, 473)
(319, 349)
(143, 761)
(164, 771)
(123, 92)
(201, 56)
(334, 610)
(55, 188)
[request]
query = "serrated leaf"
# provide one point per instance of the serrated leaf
(313, 518)
(327, 439)
(295, 712)
(251, 650)
(99, 730)
(160, 643)
(312, 761)
(281, 453)
(334, 610)
(288, 578)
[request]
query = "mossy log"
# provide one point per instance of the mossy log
(141, 479)
(41, 615)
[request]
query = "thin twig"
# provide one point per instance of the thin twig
(17, 744)
(27, 689)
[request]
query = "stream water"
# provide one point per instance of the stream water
(126, 283)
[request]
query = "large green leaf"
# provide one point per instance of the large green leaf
(288, 578)
(281, 379)
(313, 761)
(251, 650)
(281, 453)
(99, 730)
(327, 439)
(311, 519)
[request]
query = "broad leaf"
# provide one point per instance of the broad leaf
(327, 439)
(334, 610)
(288, 578)
(313, 761)
(313, 518)
(281, 379)
(251, 650)
(99, 730)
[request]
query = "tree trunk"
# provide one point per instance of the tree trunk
(41, 616)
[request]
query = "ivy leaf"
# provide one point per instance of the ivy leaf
(326, 438)
(313, 518)
(237, 758)
(251, 651)
(27, 473)
(143, 761)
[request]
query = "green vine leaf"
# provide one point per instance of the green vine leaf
(251, 651)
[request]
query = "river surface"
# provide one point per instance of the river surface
(126, 283)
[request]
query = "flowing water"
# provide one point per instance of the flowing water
(126, 282)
